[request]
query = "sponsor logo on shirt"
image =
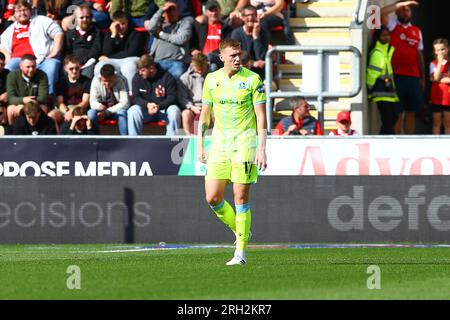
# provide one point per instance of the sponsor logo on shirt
(410, 41)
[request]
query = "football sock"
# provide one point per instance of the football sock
(243, 223)
(225, 212)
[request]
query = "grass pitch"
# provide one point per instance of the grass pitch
(119, 272)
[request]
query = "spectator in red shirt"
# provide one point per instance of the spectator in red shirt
(208, 34)
(407, 62)
(343, 123)
(38, 36)
(440, 86)
(301, 122)
(7, 13)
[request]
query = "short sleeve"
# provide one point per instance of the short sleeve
(258, 91)
(206, 94)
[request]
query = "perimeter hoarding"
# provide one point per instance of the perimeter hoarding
(172, 209)
(324, 156)
(110, 190)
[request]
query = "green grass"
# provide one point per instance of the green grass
(39, 272)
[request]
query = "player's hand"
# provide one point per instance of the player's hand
(201, 154)
(261, 160)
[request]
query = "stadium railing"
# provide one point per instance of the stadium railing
(320, 94)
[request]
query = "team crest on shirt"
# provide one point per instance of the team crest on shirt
(242, 85)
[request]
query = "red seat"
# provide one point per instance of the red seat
(277, 28)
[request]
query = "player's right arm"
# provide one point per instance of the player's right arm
(203, 126)
(203, 121)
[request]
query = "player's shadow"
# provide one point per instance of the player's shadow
(129, 214)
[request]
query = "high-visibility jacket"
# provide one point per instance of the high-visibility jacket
(379, 74)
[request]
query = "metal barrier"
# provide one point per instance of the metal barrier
(320, 94)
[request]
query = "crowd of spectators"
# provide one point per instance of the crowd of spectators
(132, 62)
(123, 62)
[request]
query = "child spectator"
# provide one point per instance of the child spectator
(190, 90)
(80, 124)
(440, 86)
(380, 80)
(344, 122)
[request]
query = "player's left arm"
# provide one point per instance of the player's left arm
(261, 126)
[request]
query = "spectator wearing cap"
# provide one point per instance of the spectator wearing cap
(39, 36)
(172, 36)
(208, 34)
(155, 98)
(344, 122)
(301, 122)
